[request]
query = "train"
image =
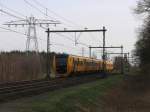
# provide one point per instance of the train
(65, 65)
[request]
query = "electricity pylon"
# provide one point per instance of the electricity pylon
(31, 23)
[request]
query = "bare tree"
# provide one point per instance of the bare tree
(143, 6)
(143, 43)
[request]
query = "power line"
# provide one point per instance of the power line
(4, 31)
(53, 43)
(12, 10)
(31, 22)
(25, 16)
(12, 31)
(10, 14)
(31, 5)
(41, 5)
(25, 34)
(18, 32)
(45, 14)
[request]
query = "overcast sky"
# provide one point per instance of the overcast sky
(116, 15)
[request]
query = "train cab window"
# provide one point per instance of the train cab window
(61, 63)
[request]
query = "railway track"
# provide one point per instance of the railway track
(10, 91)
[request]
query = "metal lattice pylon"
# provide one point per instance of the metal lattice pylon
(31, 35)
(32, 22)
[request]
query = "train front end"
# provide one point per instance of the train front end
(61, 65)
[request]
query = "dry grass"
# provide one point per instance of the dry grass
(132, 95)
(17, 66)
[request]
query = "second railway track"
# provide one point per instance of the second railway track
(9, 91)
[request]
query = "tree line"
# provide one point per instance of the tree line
(143, 44)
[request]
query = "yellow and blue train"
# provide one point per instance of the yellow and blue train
(65, 65)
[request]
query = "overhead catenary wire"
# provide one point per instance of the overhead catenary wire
(62, 45)
(65, 36)
(53, 43)
(38, 38)
(93, 37)
(31, 5)
(59, 44)
(80, 43)
(60, 34)
(10, 14)
(42, 39)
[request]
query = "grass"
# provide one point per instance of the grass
(131, 95)
(82, 98)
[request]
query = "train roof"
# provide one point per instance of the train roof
(85, 57)
(66, 55)
(81, 57)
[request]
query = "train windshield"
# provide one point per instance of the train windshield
(61, 64)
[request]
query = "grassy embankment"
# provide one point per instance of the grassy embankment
(82, 98)
(132, 95)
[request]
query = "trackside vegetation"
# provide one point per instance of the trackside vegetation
(82, 98)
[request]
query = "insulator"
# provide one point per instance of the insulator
(65, 28)
(85, 28)
(47, 25)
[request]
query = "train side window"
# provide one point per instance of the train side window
(79, 62)
(76, 62)
(84, 61)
